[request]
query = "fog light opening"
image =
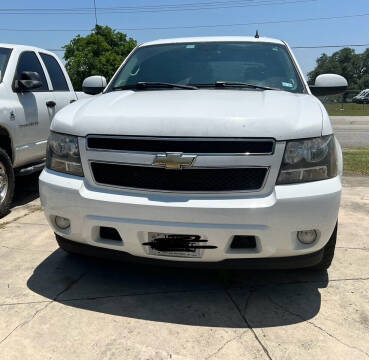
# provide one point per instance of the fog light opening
(307, 236)
(62, 222)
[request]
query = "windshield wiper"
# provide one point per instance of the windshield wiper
(223, 84)
(142, 85)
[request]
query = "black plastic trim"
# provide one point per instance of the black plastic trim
(193, 145)
(187, 179)
(292, 262)
(325, 91)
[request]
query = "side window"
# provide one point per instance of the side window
(4, 57)
(56, 74)
(28, 61)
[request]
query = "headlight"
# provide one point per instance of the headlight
(63, 154)
(308, 160)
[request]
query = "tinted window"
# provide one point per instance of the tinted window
(204, 63)
(28, 61)
(4, 57)
(56, 74)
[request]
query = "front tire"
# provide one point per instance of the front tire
(7, 183)
(328, 254)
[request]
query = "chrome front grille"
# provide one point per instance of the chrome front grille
(157, 178)
(220, 165)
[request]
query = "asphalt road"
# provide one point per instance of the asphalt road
(351, 131)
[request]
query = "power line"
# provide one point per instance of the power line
(294, 47)
(150, 9)
(248, 24)
(146, 7)
(200, 26)
(206, 7)
(197, 4)
(329, 46)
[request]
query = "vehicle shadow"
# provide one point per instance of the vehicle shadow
(233, 299)
(26, 189)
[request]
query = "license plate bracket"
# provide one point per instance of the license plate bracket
(176, 245)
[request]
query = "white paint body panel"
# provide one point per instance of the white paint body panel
(213, 39)
(273, 218)
(30, 127)
(330, 80)
(210, 113)
(273, 214)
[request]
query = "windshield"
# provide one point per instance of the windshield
(205, 63)
(4, 57)
(362, 93)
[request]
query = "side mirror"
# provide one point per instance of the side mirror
(94, 84)
(329, 84)
(29, 80)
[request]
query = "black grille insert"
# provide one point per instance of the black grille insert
(243, 242)
(201, 179)
(109, 233)
(183, 145)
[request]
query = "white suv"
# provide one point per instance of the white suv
(201, 151)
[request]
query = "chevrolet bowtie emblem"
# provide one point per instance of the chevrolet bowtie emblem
(174, 161)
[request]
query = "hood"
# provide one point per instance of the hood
(206, 113)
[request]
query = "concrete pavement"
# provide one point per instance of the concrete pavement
(351, 131)
(56, 306)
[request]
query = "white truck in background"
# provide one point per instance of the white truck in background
(34, 86)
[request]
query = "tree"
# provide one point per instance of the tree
(354, 67)
(99, 53)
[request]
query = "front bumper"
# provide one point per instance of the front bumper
(290, 262)
(273, 219)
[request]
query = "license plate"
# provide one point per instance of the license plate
(174, 241)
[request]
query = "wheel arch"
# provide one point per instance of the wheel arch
(6, 142)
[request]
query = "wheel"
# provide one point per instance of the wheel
(328, 253)
(7, 183)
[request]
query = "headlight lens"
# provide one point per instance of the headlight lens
(63, 154)
(308, 160)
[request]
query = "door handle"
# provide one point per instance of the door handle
(51, 104)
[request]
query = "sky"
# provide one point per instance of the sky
(348, 30)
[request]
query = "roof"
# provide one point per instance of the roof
(24, 47)
(214, 39)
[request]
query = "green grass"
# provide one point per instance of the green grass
(356, 161)
(349, 109)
